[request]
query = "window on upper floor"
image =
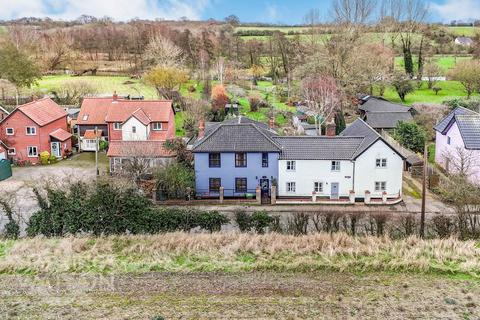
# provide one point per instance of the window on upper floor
(265, 160)
(156, 126)
(134, 129)
(9, 131)
(117, 126)
(381, 163)
(380, 185)
(291, 165)
(31, 131)
(85, 117)
(449, 140)
(240, 159)
(214, 160)
(335, 165)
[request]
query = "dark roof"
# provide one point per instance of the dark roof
(318, 148)
(444, 124)
(469, 127)
(386, 120)
(374, 104)
(237, 136)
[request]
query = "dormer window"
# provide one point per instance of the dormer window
(117, 126)
(85, 117)
(157, 126)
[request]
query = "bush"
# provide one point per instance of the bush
(411, 136)
(44, 157)
(472, 103)
(52, 159)
(175, 180)
(260, 221)
(171, 220)
(212, 220)
(243, 221)
(102, 145)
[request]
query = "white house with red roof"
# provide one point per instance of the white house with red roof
(134, 128)
(32, 128)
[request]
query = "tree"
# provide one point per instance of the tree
(322, 96)
(166, 81)
(162, 52)
(256, 71)
(410, 135)
(467, 72)
(17, 68)
(72, 92)
(233, 20)
(461, 161)
(403, 86)
(175, 180)
(432, 71)
(56, 49)
(219, 97)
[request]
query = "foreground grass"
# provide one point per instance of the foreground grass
(232, 252)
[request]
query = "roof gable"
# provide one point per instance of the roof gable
(469, 127)
(374, 104)
(446, 122)
(42, 111)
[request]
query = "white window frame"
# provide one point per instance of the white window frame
(291, 165)
(335, 166)
(85, 117)
(36, 151)
(380, 186)
(291, 187)
(10, 153)
(380, 163)
(10, 134)
(117, 126)
(155, 126)
(34, 131)
(318, 186)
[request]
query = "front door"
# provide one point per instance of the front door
(334, 190)
(265, 187)
(55, 146)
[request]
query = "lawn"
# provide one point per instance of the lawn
(446, 62)
(464, 31)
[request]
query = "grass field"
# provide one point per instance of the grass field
(446, 62)
(464, 31)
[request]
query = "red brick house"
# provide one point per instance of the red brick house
(32, 128)
(135, 129)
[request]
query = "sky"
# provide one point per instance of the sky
(267, 11)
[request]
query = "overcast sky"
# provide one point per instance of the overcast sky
(280, 11)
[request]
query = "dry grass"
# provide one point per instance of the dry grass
(233, 252)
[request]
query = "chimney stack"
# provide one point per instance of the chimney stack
(115, 96)
(201, 129)
(331, 129)
(271, 123)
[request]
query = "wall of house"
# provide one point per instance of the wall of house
(228, 172)
(443, 151)
(83, 128)
(20, 140)
(112, 133)
(163, 134)
(366, 173)
(141, 134)
(309, 171)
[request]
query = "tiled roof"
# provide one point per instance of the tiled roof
(469, 126)
(237, 137)
(141, 149)
(90, 134)
(61, 135)
(445, 122)
(360, 128)
(375, 104)
(102, 110)
(141, 116)
(318, 148)
(42, 111)
(386, 120)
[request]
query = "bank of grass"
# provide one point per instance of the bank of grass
(233, 252)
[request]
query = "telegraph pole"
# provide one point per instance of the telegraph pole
(424, 191)
(96, 151)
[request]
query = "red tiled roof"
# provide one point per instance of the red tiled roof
(42, 111)
(141, 116)
(61, 135)
(90, 134)
(142, 149)
(101, 110)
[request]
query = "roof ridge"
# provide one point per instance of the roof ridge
(267, 137)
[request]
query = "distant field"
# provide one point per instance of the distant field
(464, 31)
(446, 62)
(272, 28)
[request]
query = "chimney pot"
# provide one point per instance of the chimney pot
(201, 129)
(115, 96)
(271, 123)
(331, 129)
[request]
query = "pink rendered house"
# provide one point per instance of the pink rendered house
(458, 143)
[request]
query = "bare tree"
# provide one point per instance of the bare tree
(162, 52)
(460, 161)
(322, 97)
(353, 12)
(220, 69)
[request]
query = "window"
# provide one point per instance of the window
(265, 160)
(32, 152)
(157, 126)
(134, 129)
(240, 185)
(214, 184)
(214, 160)
(10, 131)
(291, 187)
(85, 117)
(335, 165)
(318, 186)
(381, 163)
(380, 186)
(291, 165)
(448, 140)
(31, 131)
(117, 126)
(12, 152)
(240, 159)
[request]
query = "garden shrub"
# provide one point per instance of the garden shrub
(102, 145)
(52, 159)
(243, 221)
(44, 157)
(260, 221)
(175, 180)
(212, 220)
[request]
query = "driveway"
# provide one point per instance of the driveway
(18, 188)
